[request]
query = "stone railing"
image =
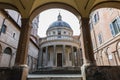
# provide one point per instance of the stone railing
(59, 37)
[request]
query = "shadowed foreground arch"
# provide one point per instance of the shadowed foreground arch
(54, 5)
(8, 6)
(106, 4)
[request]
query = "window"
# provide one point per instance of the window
(49, 33)
(91, 26)
(96, 18)
(100, 38)
(64, 32)
(59, 34)
(8, 51)
(13, 35)
(4, 27)
(53, 32)
(115, 26)
(93, 43)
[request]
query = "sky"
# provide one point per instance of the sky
(47, 17)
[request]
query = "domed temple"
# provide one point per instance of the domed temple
(60, 49)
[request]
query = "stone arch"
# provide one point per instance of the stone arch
(118, 51)
(110, 55)
(105, 57)
(50, 5)
(96, 56)
(106, 4)
(6, 57)
(107, 53)
(101, 57)
(8, 50)
(8, 6)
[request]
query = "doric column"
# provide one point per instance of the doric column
(40, 58)
(46, 55)
(22, 50)
(54, 55)
(64, 55)
(78, 57)
(73, 56)
(87, 43)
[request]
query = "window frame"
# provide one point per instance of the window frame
(115, 26)
(4, 28)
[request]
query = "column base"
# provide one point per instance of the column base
(84, 67)
(14, 73)
(24, 71)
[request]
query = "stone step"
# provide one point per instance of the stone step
(54, 77)
(57, 72)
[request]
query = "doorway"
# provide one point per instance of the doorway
(59, 60)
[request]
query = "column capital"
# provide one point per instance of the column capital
(64, 45)
(26, 21)
(85, 21)
(54, 45)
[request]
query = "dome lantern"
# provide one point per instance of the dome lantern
(59, 17)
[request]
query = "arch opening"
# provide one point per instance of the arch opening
(54, 5)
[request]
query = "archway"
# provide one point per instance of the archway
(6, 57)
(51, 5)
(105, 57)
(105, 4)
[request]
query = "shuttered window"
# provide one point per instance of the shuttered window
(115, 27)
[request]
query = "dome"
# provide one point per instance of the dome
(59, 23)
